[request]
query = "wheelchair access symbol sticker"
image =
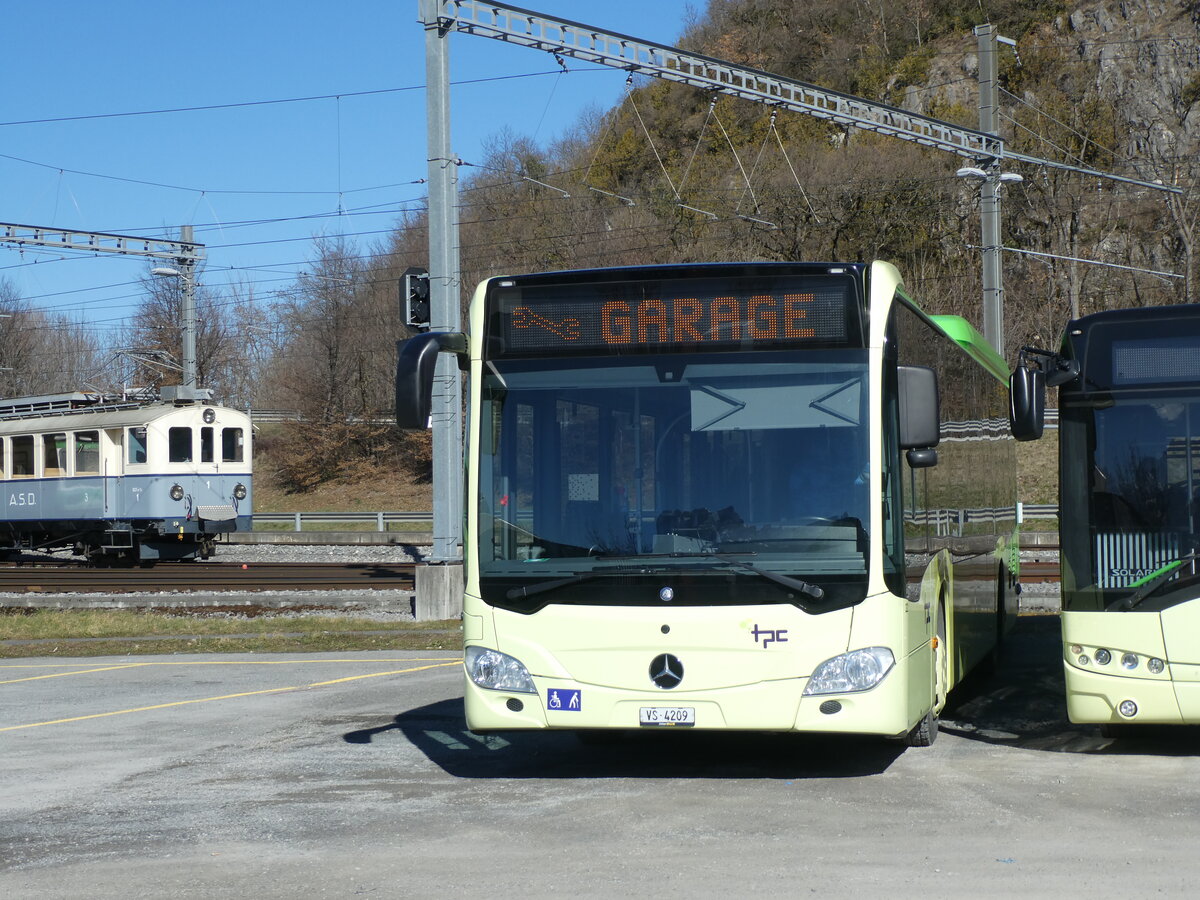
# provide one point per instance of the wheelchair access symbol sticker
(564, 699)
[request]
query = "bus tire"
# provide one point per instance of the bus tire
(924, 733)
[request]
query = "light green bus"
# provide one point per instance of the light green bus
(1129, 499)
(767, 496)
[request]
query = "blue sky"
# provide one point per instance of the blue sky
(71, 158)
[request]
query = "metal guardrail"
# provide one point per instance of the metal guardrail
(268, 416)
(381, 519)
(942, 518)
(953, 521)
(1040, 510)
(275, 416)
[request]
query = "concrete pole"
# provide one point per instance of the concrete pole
(989, 210)
(444, 310)
(187, 284)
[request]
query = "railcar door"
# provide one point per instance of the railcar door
(114, 474)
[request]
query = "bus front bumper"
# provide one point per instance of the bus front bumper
(765, 706)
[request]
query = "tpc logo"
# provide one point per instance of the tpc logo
(778, 636)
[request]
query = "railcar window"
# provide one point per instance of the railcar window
(206, 444)
(87, 453)
(137, 444)
(22, 448)
(54, 454)
(3, 459)
(179, 445)
(231, 445)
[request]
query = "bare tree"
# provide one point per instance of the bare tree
(157, 330)
(41, 353)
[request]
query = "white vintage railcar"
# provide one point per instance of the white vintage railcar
(121, 480)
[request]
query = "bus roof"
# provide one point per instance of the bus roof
(964, 334)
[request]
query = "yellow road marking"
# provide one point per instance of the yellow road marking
(230, 662)
(82, 672)
(122, 712)
(440, 665)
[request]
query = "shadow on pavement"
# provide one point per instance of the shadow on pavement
(439, 730)
(1023, 704)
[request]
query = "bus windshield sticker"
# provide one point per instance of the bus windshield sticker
(733, 404)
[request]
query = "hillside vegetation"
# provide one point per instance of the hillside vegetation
(672, 174)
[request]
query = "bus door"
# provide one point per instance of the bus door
(1145, 488)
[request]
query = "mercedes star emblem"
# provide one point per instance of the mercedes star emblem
(666, 671)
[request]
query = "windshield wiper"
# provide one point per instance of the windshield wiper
(1152, 583)
(528, 590)
(815, 592)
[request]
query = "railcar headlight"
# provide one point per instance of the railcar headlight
(177, 492)
(1156, 666)
(498, 671)
(209, 415)
(1129, 660)
(858, 670)
(1103, 657)
(239, 491)
(1127, 708)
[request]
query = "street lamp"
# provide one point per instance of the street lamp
(187, 284)
(990, 180)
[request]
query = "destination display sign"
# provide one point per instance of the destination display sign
(671, 315)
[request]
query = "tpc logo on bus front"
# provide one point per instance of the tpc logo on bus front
(564, 699)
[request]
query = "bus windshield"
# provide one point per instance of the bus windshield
(1142, 490)
(676, 464)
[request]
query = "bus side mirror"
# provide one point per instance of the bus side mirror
(1026, 402)
(919, 414)
(921, 459)
(415, 365)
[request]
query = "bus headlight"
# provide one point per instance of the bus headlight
(858, 670)
(498, 671)
(239, 491)
(177, 492)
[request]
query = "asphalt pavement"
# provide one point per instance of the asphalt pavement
(345, 775)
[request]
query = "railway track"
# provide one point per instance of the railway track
(1038, 572)
(218, 577)
(207, 576)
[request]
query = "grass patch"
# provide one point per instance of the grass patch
(94, 632)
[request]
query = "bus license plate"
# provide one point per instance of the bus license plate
(668, 715)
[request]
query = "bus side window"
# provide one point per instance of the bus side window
(231, 445)
(22, 450)
(206, 444)
(179, 444)
(87, 453)
(137, 445)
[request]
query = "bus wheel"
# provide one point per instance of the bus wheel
(924, 733)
